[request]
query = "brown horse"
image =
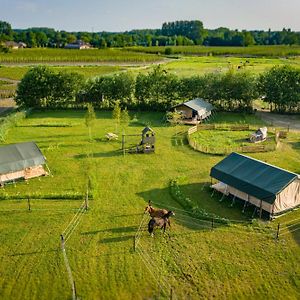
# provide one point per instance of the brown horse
(155, 212)
(160, 222)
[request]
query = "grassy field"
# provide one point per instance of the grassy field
(49, 55)
(268, 51)
(238, 261)
(218, 140)
(189, 66)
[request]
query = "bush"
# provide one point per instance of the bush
(40, 87)
(186, 203)
(169, 51)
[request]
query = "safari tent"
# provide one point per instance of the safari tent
(260, 135)
(195, 110)
(21, 161)
(267, 187)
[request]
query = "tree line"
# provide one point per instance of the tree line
(176, 33)
(159, 90)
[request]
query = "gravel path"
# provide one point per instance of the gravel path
(291, 121)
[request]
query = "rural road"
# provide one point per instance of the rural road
(291, 121)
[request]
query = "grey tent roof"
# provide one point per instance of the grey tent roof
(253, 177)
(17, 157)
(198, 104)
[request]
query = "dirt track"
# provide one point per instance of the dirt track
(285, 121)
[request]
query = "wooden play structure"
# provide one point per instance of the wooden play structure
(146, 145)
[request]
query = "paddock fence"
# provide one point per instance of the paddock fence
(65, 236)
(228, 149)
(164, 289)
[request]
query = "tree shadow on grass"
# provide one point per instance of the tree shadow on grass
(33, 252)
(99, 154)
(295, 145)
(116, 239)
(113, 230)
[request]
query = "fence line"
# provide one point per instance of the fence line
(70, 275)
(139, 232)
(71, 225)
(244, 149)
(149, 263)
(66, 234)
(289, 231)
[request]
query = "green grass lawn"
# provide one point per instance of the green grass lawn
(218, 140)
(231, 262)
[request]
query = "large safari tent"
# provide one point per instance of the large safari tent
(195, 110)
(267, 187)
(21, 161)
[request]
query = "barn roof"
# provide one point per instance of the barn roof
(198, 104)
(253, 177)
(17, 157)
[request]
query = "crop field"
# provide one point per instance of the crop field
(234, 261)
(47, 55)
(250, 51)
(17, 72)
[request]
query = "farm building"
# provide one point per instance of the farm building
(21, 161)
(267, 187)
(79, 44)
(194, 111)
(14, 45)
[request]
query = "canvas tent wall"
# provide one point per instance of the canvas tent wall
(196, 108)
(23, 160)
(268, 187)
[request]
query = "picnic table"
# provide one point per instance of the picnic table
(111, 136)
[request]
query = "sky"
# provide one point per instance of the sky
(118, 15)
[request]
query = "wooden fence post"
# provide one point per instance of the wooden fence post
(134, 244)
(28, 201)
(277, 234)
(123, 143)
(62, 239)
(75, 290)
(87, 199)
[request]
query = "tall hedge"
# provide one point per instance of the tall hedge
(160, 90)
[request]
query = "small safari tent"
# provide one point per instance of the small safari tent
(267, 187)
(194, 111)
(259, 136)
(21, 161)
